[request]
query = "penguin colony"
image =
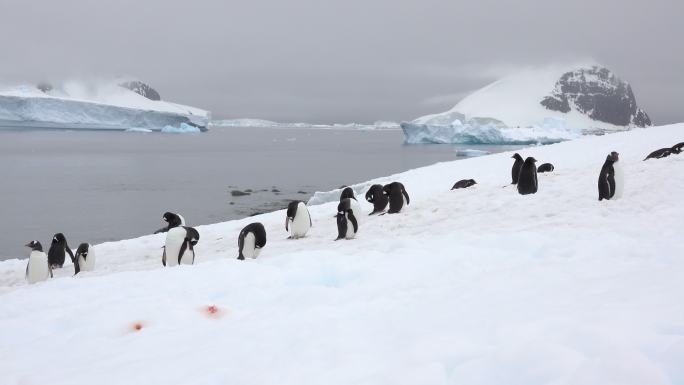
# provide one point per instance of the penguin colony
(180, 240)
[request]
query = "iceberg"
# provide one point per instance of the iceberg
(183, 128)
(104, 107)
(553, 131)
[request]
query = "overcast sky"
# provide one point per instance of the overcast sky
(341, 61)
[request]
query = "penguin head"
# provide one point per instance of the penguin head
(614, 156)
(58, 238)
(530, 159)
(167, 216)
(35, 245)
(517, 156)
(82, 250)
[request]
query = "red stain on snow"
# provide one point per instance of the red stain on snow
(212, 311)
(137, 326)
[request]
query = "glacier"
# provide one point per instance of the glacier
(109, 107)
(490, 131)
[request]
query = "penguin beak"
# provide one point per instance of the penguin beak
(28, 244)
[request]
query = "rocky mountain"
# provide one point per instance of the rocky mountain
(141, 89)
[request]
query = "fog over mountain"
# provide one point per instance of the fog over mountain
(314, 61)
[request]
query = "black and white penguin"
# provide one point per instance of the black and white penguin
(606, 179)
(464, 183)
(37, 269)
(660, 153)
(85, 258)
(545, 167)
(298, 215)
(251, 240)
(172, 220)
(678, 148)
(348, 193)
(398, 197)
(58, 250)
(517, 165)
(376, 196)
(180, 246)
(527, 181)
(347, 225)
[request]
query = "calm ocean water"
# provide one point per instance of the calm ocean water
(104, 186)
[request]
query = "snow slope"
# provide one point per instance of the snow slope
(471, 286)
(101, 106)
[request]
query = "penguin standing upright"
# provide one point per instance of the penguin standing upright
(180, 246)
(37, 269)
(172, 220)
(347, 225)
(376, 196)
(251, 240)
(58, 250)
(606, 180)
(85, 258)
(298, 215)
(517, 165)
(619, 176)
(527, 181)
(398, 197)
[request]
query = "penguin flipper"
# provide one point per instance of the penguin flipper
(77, 267)
(164, 257)
(408, 200)
(182, 249)
(310, 221)
(27, 267)
(71, 253)
(287, 221)
(241, 244)
(352, 219)
(50, 270)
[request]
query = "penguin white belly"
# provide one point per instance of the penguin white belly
(619, 180)
(181, 219)
(174, 240)
(350, 230)
(301, 223)
(249, 249)
(87, 264)
(37, 267)
(403, 198)
(188, 256)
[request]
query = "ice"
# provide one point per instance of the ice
(379, 125)
(106, 107)
(183, 128)
(139, 130)
(474, 286)
(471, 153)
(486, 134)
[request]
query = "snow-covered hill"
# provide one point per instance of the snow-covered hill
(472, 286)
(105, 105)
(584, 98)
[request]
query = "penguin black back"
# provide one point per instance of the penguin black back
(527, 182)
(517, 166)
(606, 180)
(396, 194)
(259, 232)
(545, 167)
(660, 153)
(291, 210)
(58, 250)
(376, 196)
(678, 148)
(464, 183)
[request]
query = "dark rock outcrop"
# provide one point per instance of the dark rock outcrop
(599, 94)
(141, 88)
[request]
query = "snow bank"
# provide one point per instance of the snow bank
(104, 107)
(472, 286)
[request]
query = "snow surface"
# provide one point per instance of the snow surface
(471, 286)
(96, 106)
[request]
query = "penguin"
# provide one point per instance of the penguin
(545, 167)
(398, 197)
(37, 269)
(347, 225)
(619, 176)
(661, 153)
(298, 214)
(180, 246)
(85, 258)
(527, 181)
(464, 183)
(517, 165)
(56, 254)
(677, 148)
(173, 220)
(348, 192)
(251, 240)
(606, 180)
(376, 196)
